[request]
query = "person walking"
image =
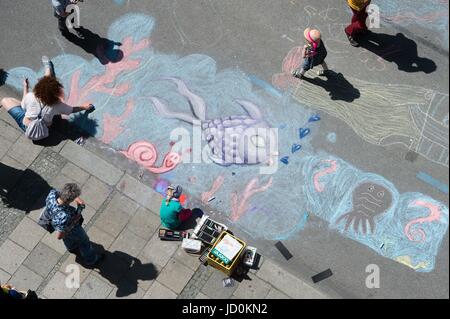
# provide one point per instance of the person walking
(172, 212)
(358, 26)
(60, 217)
(42, 104)
(313, 54)
(61, 13)
(9, 292)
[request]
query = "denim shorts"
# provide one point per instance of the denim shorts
(18, 114)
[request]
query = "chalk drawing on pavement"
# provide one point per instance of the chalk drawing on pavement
(383, 114)
(268, 207)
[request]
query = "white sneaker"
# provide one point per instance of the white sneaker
(45, 61)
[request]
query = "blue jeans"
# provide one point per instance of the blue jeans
(18, 114)
(78, 238)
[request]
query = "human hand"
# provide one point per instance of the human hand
(79, 201)
(86, 106)
(26, 84)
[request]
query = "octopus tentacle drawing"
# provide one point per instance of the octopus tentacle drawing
(238, 139)
(369, 201)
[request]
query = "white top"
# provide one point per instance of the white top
(32, 108)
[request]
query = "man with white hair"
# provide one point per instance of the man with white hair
(67, 220)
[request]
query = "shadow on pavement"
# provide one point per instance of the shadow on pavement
(191, 223)
(81, 126)
(22, 190)
(122, 270)
(338, 87)
(103, 49)
(3, 77)
(398, 49)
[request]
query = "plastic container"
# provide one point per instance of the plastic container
(217, 263)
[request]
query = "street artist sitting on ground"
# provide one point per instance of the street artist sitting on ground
(172, 212)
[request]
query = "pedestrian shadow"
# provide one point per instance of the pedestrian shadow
(80, 126)
(338, 87)
(398, 49)
(3, 77)
(24, 190)
(103, 49)
(122, 270)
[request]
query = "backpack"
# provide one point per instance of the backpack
(37, 129)
(45, 221)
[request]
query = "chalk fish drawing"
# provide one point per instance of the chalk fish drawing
(318, 183)
(225, 136)
(369, 201)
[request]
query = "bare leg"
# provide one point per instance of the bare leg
(9, 102)
(299, 73)
(325, 69)
(48, 66)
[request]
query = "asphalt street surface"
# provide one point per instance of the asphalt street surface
(255, 36)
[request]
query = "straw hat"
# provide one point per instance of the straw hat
(315, 34)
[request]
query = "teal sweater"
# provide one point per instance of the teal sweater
(169, 214)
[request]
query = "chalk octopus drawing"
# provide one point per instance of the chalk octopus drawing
(132, 95)
(383, 114)
(225, 136)
(369, 200)
(408, 227)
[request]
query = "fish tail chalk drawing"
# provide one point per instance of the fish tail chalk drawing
(318, 185)
(112, 125)
(240, 208)
(145, 154)
(104, 83)
(217, 184)
(435, 215)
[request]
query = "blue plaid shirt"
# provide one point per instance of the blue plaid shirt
(63, 217)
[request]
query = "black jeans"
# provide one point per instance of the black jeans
(61, 23)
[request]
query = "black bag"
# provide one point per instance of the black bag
(31, 295)
(45, 221)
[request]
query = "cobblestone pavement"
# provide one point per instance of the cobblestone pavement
(121, 218)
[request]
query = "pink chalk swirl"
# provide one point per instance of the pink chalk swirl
(435, 215)
(146, 155)
(318, 185)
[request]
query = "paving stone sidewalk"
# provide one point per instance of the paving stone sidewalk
(122, 217)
